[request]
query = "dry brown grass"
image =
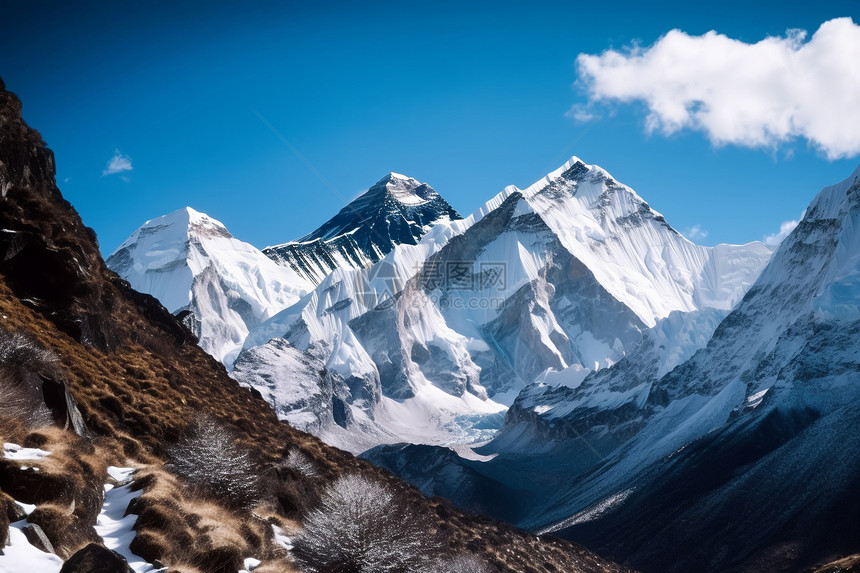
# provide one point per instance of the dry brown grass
(67, 532)
(67, 486)
(277, 566)
(6, 506)
(13, 429)
(183, 568)
(850, 564)
(183, 530)
(274, 517)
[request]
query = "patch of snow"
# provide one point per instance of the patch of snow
(121, 475)
(281, 538)
(20, 556)
(571, 377)
(592, 512)
(16, 452)
(755, 399)
(26, 507)
(467, 453)
(116, 528)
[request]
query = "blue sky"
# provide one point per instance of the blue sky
(469, 98)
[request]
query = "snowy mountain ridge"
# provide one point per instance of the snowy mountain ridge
(581, 265)
(633, 251)
(773, 388)
(190, 262)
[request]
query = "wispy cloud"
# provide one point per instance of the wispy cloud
(695, 232)
(785, 229)
(753, 95)
(581, 113)
(117, 164)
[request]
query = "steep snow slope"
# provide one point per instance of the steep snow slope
(396, 210)
(771, 394)
(190, 262)
(564, 274)
(633, 252)
(319, 324)
(306, 394)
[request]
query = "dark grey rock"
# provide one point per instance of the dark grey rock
(37, 538)
(96, 559)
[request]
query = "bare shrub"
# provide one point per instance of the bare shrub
(208, 458)
(361, 527)
(17, 350)
(22, 360)
(299, 462)
(461, 564)
(17, 402)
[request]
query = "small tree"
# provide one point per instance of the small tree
(209, 459)
(360, 527)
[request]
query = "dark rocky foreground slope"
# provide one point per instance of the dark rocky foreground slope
(105, 376)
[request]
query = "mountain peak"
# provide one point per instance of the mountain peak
(402, 188)
(393, 175)
(397, 209)
(189, 261)
(186, 222)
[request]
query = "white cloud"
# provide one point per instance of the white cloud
(754, 95)
(117, 164)
(581, 113)
(785, 229)
(695, 232)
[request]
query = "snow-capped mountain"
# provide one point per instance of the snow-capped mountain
(565, 274)
(190, 262)
(396, 210)
(751, 437)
